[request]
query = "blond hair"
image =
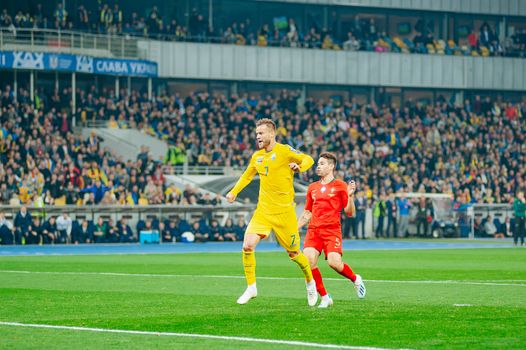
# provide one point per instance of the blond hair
(268, 122)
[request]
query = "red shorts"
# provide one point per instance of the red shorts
(324, 239)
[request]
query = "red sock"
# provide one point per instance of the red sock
(319, 282)
(347, 273)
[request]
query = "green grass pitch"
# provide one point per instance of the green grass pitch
(197, 294)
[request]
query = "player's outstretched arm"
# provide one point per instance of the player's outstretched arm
(304, 219)
(303, 161)
(294, 167)
(350, 209)
(306, 163)
(243, 181)
(230, 197)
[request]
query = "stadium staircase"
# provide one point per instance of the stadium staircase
(127, 142)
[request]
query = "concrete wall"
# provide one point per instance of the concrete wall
(270, 64)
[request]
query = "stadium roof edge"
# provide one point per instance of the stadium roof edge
(501, 7)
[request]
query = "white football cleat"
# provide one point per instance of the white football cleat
(326, 301)
(360, 287)
(250, 293)
(312, 293)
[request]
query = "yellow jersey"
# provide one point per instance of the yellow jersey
(276, 190)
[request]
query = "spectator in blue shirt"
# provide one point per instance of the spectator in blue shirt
(113, 232)
(22, 224)
(34, 236)
(216, 231)
(404, 206)
(240, 228)
(49, 230)
(229, 231)
(201, 231)
(165, 234)
(6, 231)
(83, 233)
(183, 226)
(174, 230)
(125, 231)
(98, 191)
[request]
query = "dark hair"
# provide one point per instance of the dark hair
(268, 122)
(330, 157)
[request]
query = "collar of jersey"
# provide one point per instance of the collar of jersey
(327, 182)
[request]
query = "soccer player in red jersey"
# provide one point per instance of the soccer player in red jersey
(325, 200)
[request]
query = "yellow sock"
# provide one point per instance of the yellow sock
(303, 263)
(249, 263)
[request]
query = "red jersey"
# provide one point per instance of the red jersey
(326, 202)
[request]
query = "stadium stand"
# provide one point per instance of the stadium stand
(474, 150)
(363, 34)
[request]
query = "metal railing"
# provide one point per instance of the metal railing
(10, 210)
(133, 213)
(64, 41)
(207, 170)
(98, 124)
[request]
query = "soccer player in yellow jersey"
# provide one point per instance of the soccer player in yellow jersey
(276, 164)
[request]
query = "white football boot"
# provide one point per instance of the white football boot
(312, 293)
(326, 301)
(250, 293)
(360, 287)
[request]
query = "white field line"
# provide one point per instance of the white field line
(80, 273)
(190, 335)
(7, 253)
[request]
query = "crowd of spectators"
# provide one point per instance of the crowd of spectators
(363, 34)
(26, 228)
(476, 150)
(44, 163)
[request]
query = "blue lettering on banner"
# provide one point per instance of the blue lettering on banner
(76, 63)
